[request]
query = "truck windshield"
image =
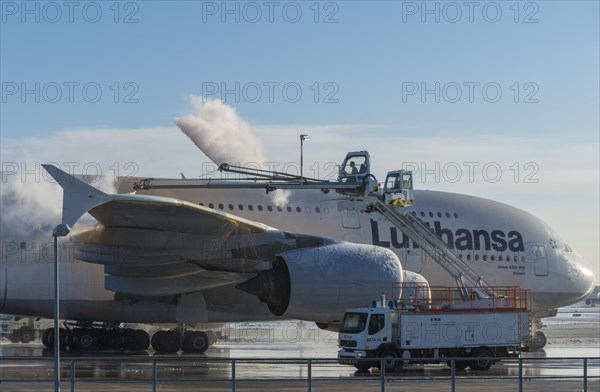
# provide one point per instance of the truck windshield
(353, 323)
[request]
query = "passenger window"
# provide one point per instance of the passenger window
(211, 205)
(376, 323)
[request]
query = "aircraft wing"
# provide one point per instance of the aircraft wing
(159, 246)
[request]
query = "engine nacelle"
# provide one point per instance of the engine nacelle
(319, 284)
(415, 287)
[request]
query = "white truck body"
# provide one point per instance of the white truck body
(402, 335)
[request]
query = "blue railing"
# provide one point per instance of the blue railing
(198, 370)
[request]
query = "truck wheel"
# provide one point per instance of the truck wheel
(362, 366)
(539, 340)
(485, 361)
(459, 365)
(390, 360)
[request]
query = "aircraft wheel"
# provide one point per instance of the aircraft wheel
(485, 361)
(136, 340)
(390, 360)
(539, 340)
(195, 342)
(46, 337)
(15, 336)
(85, 339)
(71, 338)
(112, 339)
(156, 340)
(27, 335)
(166, 341)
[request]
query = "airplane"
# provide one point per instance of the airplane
(188, 255)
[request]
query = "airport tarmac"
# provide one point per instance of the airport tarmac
(574, 333)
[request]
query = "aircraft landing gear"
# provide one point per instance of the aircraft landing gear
(90, 337)
(23, 335)
(170, 342)
(98, 338)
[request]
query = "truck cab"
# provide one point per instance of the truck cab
(398, 188)
(364, 333)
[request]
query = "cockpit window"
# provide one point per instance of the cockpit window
(353, 323)
(568, 248)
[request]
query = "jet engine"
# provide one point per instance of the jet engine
(415, 287)
(320, 283)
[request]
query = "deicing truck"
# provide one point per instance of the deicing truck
(476, 332)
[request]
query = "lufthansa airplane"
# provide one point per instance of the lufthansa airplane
(188, 256)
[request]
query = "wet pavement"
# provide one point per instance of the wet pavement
(268, 361)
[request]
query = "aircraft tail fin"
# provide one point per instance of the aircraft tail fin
(78, 197)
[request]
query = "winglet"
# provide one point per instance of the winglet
(78, 197)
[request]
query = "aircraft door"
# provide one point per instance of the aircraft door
(350, 219)
(536, 254)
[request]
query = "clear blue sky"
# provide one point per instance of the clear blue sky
(367, 55)
(364, 63)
